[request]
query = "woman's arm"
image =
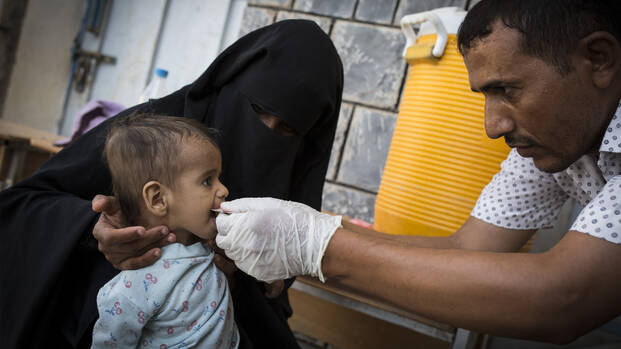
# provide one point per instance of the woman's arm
(46, 244)
(48, 254)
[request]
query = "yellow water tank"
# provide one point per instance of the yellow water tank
(440, 157)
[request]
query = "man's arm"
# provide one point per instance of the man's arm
(552, 296)
(475, 234)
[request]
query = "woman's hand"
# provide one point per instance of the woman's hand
(126, 247)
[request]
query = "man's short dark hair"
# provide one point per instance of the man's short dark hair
(144, 147)
(550, 29)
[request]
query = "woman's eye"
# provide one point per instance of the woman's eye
(257, 109)
(285, 130)
(273, 122)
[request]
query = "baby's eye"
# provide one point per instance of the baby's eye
(207, 182)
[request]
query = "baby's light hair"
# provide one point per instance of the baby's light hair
(147, 147)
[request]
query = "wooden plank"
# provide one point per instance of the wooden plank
(38, 139)
(44, 146)
(374, 303)
(9, 129)
(349, 329)
(344, 328)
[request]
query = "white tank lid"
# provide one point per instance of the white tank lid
(451, 18)
(442, 21)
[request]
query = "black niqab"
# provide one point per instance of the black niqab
(51, 269)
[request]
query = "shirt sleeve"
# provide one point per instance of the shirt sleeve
(602, 216)
(121, 320)
(520, 196)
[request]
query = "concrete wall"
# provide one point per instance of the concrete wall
(182, 36)
(12, 13)
(369, 41)
(37, 83)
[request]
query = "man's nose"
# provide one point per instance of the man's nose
(498, 121)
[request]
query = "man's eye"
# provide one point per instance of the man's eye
(504, 90)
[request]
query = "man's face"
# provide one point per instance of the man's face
(551, 118)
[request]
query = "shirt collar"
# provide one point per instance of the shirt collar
(611, 142)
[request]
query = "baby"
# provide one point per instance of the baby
(165, 172)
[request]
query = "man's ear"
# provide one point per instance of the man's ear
(602, 52)
(154, 196)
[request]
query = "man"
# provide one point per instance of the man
(550, 72)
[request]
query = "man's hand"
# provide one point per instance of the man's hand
(227, 266)
(273, 239)
(126, 247)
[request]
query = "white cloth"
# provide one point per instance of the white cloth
(182, 300)
(522, 197)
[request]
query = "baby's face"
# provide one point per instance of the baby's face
(197, 190)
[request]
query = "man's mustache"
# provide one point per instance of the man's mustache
(519, 141)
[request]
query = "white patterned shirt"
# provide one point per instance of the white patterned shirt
(181, 301)
(522, 197)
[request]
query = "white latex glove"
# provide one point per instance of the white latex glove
(273, 239)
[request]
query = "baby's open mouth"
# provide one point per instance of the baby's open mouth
(217, 211)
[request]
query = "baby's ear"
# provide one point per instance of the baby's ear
(153, 194)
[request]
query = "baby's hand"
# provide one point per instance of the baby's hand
(274, 288)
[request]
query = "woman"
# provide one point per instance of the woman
(51, 267)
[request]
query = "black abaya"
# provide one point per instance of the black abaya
(51, 269)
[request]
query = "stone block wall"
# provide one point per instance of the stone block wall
(12, 13)
(367, 36)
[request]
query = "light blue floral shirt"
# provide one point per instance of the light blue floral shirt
(181, 301)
